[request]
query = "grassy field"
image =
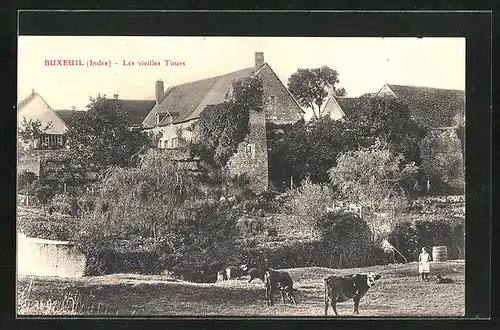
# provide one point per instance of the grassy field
(398, 293)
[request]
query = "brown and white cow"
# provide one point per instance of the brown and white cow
(343, 288)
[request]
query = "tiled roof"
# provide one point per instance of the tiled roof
(190, 99)
(350, 104)
(137, 110)
(433, 107)
(68, 115)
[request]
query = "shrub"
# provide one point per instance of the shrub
(349, 236)
(310, 203)
(24, 179)
(414, 232)
(64, 204)
(292, 254)
(46, 228)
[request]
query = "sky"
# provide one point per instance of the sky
(364, 64)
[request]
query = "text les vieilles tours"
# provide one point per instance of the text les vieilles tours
(109, 63)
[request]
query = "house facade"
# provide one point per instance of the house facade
(178, 110)
(34, 108)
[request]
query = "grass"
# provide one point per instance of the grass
(398, 293)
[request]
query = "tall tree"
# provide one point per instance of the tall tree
(310, 87)
(387, 119)
(100, 137)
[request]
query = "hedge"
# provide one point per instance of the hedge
(413, 232)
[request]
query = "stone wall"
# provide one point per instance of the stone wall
(251, 157)
(42, 257)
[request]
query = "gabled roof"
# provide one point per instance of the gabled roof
(68, 115)
(27, 100)
(137, 110)
(44, 114)
(331, 105)
(350, 104)
(434, 107)
(189, 99)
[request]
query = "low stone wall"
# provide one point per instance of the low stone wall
(42, 257)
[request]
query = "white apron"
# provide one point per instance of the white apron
(423, 266)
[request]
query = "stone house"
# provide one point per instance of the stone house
(178, 109)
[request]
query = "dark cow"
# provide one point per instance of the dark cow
(253, 272)
(234, 272)
(278, 280)
(343, 288)
(444, 280)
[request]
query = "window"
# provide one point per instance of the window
(59, 140)
(47, 139)
(250, 150)
(175, 143)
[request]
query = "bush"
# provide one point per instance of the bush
(310, 203)
(25, 179)
(46, 228)
(414, 232)
(350, 237)
(292, 254)
(194, 246)
(64, 204)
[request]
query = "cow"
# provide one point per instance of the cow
(278, 280)
(234, 272)
(444, 280)
(253, 272)
(343, 288)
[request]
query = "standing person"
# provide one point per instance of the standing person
(423, 266)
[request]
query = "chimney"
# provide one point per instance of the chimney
(32, 92)
(159, 91)
(259, 60)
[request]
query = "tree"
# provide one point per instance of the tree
(304, 150)
(310, 87)
(223, 126)
(374, 178)
(386, 119)
(100, 137)
(442, 162)
(31, 130)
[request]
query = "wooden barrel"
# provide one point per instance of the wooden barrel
(439, 253)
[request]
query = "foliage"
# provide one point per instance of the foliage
(52, 227)
(144, 199)
(386, 119)
(25, 180)
(349, 236)
(316, 253)
(374, 179)
(442, 163)
(161, 204)
(223, 126)
(30, 130)
(310, 203)
(412, 232)
(101, 137)
(309, 87)
(64, 204)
